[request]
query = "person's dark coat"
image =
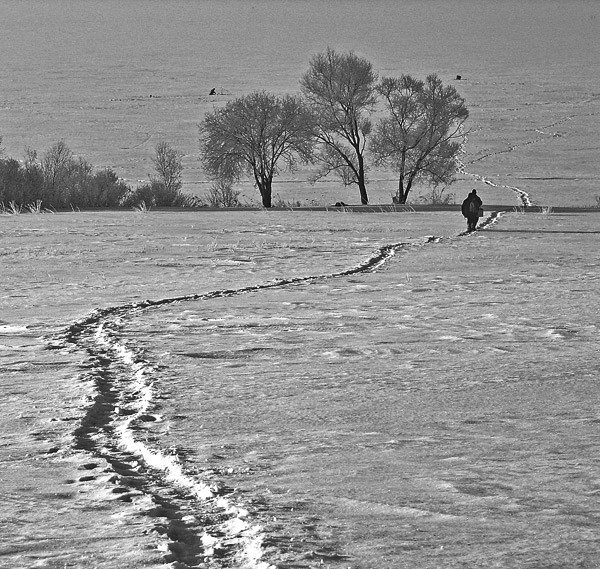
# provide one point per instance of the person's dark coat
(470, 210)
(470, 207)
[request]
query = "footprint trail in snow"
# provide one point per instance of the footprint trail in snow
(203, 523)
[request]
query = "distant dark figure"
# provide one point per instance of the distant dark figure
(340, 204)
(213, 91)
(471, 209)
(458, 77)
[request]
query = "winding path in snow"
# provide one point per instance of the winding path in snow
(124, 382)
(202, 522)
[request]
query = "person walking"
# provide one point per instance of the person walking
(471, 209)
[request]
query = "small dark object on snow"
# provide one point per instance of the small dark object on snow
(213, 91)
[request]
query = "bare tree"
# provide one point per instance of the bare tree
(56, 165)
(341, 89)
(168, 165)
(252, 135)
(422, 136)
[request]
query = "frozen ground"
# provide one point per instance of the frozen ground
(438, 409)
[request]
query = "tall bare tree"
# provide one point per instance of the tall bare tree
(253, 135)
(341, 90)
(168, 165)
(421, 137)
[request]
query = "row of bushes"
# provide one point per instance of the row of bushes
(59, 180)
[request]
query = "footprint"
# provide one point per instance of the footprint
(86, 478)
(149, 418)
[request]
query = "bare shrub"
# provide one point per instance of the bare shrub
(436, 196)
(58, 180)
(12, 186)
(222, 194)
(188, 200)
(281, 203)
(156, 194)
(150, 194)
(61, 180)
(106, 189)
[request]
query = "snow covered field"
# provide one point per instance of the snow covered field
(301, 388)
(437, 409)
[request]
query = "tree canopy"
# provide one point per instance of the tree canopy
(341, 90)
(421, 137)
(254, 135)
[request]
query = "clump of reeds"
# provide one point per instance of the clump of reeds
(12, 208)
(141, 207)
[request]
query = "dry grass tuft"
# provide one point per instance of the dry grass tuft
(141, 207)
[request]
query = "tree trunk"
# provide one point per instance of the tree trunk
(401, 195)
(362, 186)
(265, 192)
(364, 200)
(403, 191)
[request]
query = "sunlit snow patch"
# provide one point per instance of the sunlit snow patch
(237, 527)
